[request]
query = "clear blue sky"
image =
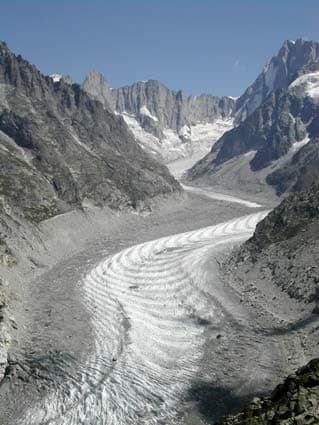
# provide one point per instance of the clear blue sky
(200, 46)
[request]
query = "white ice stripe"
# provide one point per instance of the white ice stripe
(144, 304)
(220, 196)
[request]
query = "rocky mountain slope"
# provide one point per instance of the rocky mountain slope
(283, 255)
(285, 247)
(295, 401)
(299, 172)
(282, 122)
(61, 150)
(168, 124)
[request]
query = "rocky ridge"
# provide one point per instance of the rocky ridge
(61, 150)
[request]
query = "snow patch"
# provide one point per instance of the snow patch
(209, 133)
(185, 131)
(298, 145)
(146, 112)
(56, 77)
(310, 83)
(250, 154)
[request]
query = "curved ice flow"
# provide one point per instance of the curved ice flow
(145, 302)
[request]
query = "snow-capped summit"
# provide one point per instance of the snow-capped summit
(56, 77)
(279, 72)
(59, 77)
(309, 83)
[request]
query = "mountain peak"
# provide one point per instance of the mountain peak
(308, 48)
(278, 73)
(96, 77)
(3, 46)
(59, 77)
(97, 86)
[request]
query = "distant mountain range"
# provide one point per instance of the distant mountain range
(70, 145)
(168, 124)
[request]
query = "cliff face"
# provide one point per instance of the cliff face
(167, 122)
(60, 149)
(171, 109)
(151, 99)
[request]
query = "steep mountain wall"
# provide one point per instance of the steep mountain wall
(60, 149)
(167, 123)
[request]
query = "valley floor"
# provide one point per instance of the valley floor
(152, 334)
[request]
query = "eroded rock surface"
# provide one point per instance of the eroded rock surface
(295, 401)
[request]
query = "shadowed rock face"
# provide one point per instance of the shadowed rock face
(60, 149)
(295, 401)
(292, 216)
(173, 109)
(300, 172)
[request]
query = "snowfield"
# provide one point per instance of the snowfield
(310, 83)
